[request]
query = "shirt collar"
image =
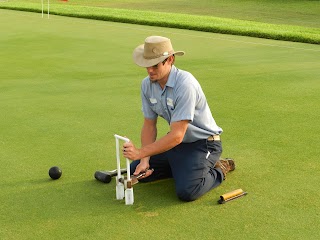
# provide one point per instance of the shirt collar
(172, 77)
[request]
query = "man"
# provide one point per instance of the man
(190, 152)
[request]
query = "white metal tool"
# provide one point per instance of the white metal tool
(124, 187)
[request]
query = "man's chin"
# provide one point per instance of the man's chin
(153, 78)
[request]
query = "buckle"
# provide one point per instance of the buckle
(214, 138)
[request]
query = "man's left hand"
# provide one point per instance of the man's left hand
(130, 151)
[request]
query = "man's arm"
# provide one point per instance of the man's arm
(148, 136)
(172, 139)
(148, 132)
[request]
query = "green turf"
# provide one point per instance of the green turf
(67, 85)
(292, 12)
(259, 20)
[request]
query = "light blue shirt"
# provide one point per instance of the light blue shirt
(181, 99)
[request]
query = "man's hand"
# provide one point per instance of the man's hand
(143, 167)
(130, 151)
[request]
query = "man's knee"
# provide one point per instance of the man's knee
(186, 195)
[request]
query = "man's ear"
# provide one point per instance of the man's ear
(171, 59)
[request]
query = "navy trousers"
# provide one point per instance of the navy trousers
(191, 165)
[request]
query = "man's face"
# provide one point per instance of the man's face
(160, 71)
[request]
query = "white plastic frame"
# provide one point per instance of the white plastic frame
(124, 189)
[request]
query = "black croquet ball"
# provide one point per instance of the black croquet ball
(55, 173)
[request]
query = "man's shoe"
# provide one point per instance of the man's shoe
(226, 165)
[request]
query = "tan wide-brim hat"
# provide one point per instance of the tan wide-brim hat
(154, 50)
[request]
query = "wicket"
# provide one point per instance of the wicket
(124, 187)
(43, 7)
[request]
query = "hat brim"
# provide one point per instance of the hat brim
(143, 62)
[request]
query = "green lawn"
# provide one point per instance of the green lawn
(67, 85)
(296, 21)
(292, 12)
(301, 13)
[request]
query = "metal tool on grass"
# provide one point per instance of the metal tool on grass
(134, 178)
(231, 195)
(106, 176)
